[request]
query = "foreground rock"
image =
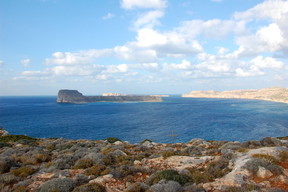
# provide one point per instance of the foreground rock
(276, 94)
(29, 164)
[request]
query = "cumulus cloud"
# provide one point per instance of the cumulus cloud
(108, 16)
(26, 62)
(132, 4)
(81, 57)
(176, 54)
(149, 19)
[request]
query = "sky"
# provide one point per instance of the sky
(141, 47)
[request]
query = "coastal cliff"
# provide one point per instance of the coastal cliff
(73, 96)
(276, 94)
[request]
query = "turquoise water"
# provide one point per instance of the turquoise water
(211, 119)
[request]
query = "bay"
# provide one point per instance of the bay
(188, 118)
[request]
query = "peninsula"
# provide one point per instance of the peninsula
(74, 96)
(276, 94)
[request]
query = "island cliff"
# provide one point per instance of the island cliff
(73, 96)
(276, 94)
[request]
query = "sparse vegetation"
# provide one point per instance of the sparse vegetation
(91, 187)
(15, 138)
(67, 165)
(112, 139)
(23, 171)
(266, 157)
(169, 175)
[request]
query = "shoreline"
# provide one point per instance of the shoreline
(274, 94)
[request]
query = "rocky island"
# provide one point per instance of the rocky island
(276, 94)
(73, 96)
(57, 164)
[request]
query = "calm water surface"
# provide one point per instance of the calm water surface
(211, 119)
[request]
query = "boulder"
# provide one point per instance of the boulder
(263, 173)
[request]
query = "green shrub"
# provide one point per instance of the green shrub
(145, 141)
(112, 139)
(20, 189)
(217, 169)
(253, 166)
(283, 155)
(198, 176)
(37, 157)
(83, 164)
(96, 170)
(266, 157)
(15, 138)
(169, 175)
(3, 144)
(167, 154)
(58, 184)
(90, 187)
(8, 178)
(23, 171)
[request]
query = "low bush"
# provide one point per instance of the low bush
(23, 171)
(197, 176)
(8, 178)
(169, 186)
(145, 141)
(34, 158)
(20, 189)
(167, 154)
(217, 169)
(83, 164)
(90, 187)
(6, 163)
(58, 184)
(96, 170)
(244, 188)
(169, 175)
(112, 139)
(283, 155)
(3, 144)
(15, 138)
(137, 187)
(253, 166)
(266, 157)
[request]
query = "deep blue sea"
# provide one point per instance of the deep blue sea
(210, 119)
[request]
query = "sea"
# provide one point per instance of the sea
(176, 119)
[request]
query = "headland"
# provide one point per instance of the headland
(276, 94)
(74, 96)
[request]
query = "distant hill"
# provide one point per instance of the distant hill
(276, 94)
(74, 96)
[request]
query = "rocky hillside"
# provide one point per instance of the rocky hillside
(73, 96)
(276, 94)
(57, 164)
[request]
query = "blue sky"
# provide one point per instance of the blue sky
(141, 47)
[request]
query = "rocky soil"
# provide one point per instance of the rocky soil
(61, 165)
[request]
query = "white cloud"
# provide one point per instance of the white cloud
(1, 64)
(26, 62)
(77, 58)
(269, 9)
(215, 28)
(132, 4)
(148, 38)
(257, 65)
(268, 62)
(108, 16)
(149, 19)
